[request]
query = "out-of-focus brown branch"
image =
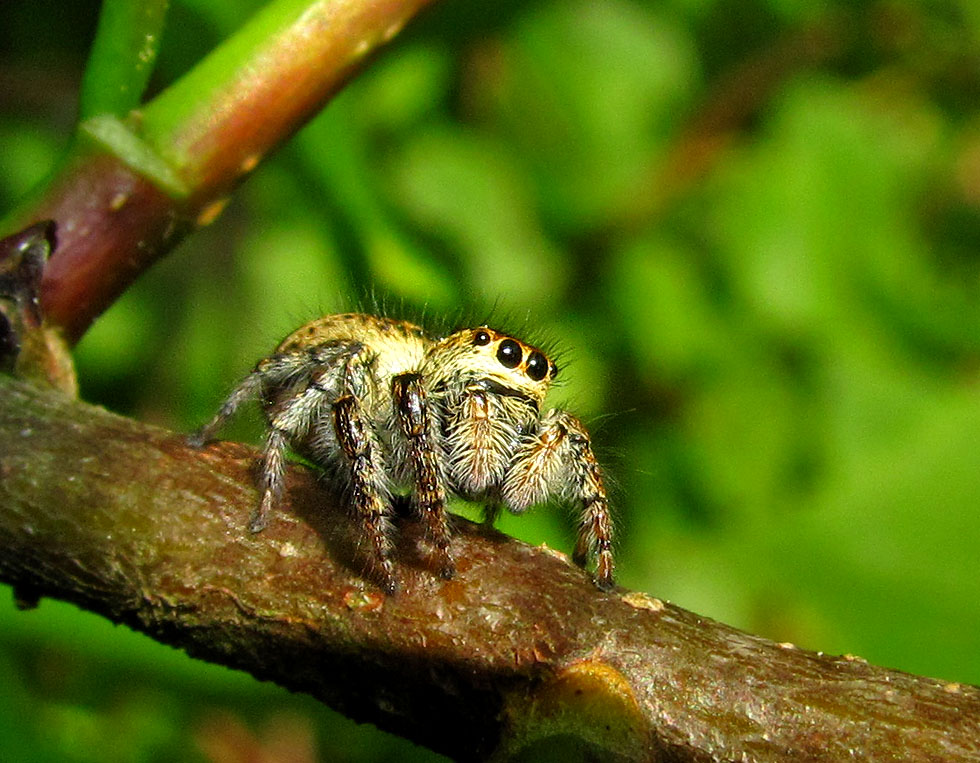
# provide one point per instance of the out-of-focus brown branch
(519, 652)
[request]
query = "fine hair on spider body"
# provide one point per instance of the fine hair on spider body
(385, 405)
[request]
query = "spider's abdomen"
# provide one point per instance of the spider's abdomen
(360, 326)
(366, 350)
(399, 346)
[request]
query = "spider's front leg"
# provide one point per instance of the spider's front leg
(558, 460)
(429, 495)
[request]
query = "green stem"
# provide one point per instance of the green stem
(122, 56)
(222, 118)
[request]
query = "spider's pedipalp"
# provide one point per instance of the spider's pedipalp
(480, 441)
(558, 460)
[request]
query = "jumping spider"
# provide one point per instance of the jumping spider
(383, 405)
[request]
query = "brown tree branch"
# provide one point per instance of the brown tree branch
(518, 652)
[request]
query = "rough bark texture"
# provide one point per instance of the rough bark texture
(517, 653)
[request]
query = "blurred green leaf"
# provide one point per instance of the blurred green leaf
(899, 527)
(465, 190)
(585, 91)
(29, 153)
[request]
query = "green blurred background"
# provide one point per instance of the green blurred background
(751, 228)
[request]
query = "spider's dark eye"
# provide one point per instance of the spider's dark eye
(537, 366)
(554, 370)
(481, 337)
(509, 353)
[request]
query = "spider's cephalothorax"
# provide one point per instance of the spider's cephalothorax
(385, 406)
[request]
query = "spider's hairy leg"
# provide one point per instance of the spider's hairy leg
(429, 494)
(273, 477)
(368, 489)
(289, 421)
(558, 459)
(270, 372)
(249, 388)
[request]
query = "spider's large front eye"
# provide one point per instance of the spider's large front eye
(537, 366)
(509, 353)
(481, 337)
